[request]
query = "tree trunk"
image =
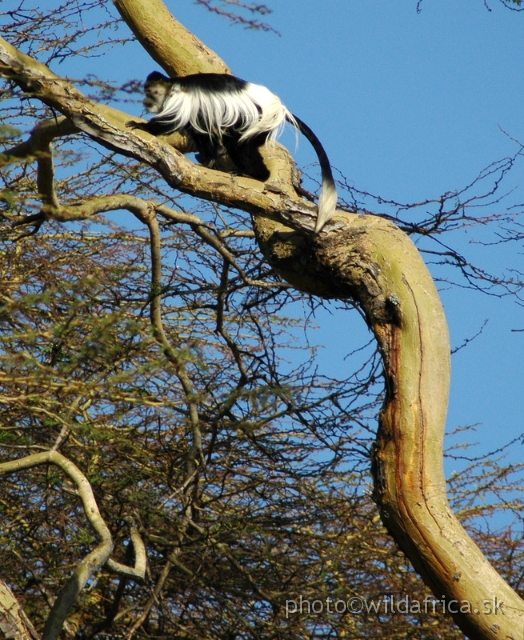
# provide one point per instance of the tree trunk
(14, 624)
(371, 261)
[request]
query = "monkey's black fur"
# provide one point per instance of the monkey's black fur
(221, 112)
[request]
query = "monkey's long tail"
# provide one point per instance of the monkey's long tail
(327, 201)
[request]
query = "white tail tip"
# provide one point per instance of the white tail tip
(327, 204)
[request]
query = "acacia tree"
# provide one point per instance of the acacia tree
(156, 441)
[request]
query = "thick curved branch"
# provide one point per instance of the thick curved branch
(94, 560)
(39, 147)
(375, 263)
(137, 572)
(166, 40)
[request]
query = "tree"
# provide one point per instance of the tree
(148, 413)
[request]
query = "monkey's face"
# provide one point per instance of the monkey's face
(155, 93)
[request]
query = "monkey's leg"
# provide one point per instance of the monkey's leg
(246, 155)
(208, 147)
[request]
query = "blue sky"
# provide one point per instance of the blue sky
(408, 105)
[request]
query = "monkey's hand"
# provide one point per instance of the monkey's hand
(134, 124)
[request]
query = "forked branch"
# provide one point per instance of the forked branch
(96, 559)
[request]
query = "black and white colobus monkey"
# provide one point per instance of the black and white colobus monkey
(221, 111)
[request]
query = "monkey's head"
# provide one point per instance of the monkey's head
(156, 88)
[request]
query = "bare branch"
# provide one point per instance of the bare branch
(137, 572)
(195, 457)
(39, 140)
(95, 560)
